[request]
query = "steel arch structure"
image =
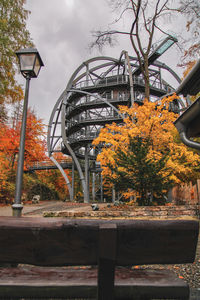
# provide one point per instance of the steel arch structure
(89, 101)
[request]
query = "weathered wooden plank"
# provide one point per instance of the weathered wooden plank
(40, 282)
(157, 242)
(106, 261)
(58, 242)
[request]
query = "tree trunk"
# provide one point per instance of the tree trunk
(146, 77)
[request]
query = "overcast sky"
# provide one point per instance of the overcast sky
(61, 31)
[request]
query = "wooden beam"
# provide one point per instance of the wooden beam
(57, 242)
(41, 282)
(107, 260)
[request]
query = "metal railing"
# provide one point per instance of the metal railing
(107, 81)
(78, 138)
(106, 117)
(120, 79)
(124, 97)
(46, 163)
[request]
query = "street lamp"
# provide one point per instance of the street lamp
(30, 63)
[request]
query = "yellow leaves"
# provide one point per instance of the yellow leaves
(150, 121)
(155, 155)
(130, 194)
(189, 65)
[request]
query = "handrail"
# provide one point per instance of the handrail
(107, 81)
(101, 82)
(46, 163)
(97, 101)
(88, 119)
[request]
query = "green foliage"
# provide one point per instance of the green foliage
(44, 191)
(13, 36)
(134, 170)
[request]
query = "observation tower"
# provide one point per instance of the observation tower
(90, 100)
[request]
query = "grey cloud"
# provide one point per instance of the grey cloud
(62, 33)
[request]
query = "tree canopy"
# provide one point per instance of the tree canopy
(13, 36)
(144, 152)
(9, 147)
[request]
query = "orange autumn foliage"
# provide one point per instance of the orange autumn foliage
(189, 65)
(9, 147)
(35, 151)
(153, 121)
(34, 143)
(54, 179)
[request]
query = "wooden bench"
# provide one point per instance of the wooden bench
(46, 250)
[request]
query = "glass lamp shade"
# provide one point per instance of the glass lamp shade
(30, 62)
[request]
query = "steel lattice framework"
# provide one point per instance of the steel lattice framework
(90, 101)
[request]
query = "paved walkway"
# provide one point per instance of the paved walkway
(30, 210)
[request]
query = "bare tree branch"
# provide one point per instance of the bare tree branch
(142, 30)
(145, 21)
(121, 15)
(164, 32)
(105, 38)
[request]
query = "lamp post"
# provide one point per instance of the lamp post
(30, 63)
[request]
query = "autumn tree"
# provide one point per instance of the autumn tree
(13, 36)
(190, 9)
(54, 180)
(145, 151)
(35, 148)
(146, 22)
(135, 171)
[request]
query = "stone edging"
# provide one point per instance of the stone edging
(160, 212)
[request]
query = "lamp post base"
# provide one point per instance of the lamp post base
(17, 210)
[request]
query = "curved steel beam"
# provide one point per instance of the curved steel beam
(57, 140)
(94, 69)
(64, 175)
(51, 122)
(62, 101)
(161, 65)
(164, 66)
(64, 137)
(88, 62)
(82, 178)
(99, 98)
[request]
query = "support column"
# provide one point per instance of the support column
(130, 79)
(113, 194)
(87, 174)
(93, 186)
(101, 187)
(73, 179)
(64, 175)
